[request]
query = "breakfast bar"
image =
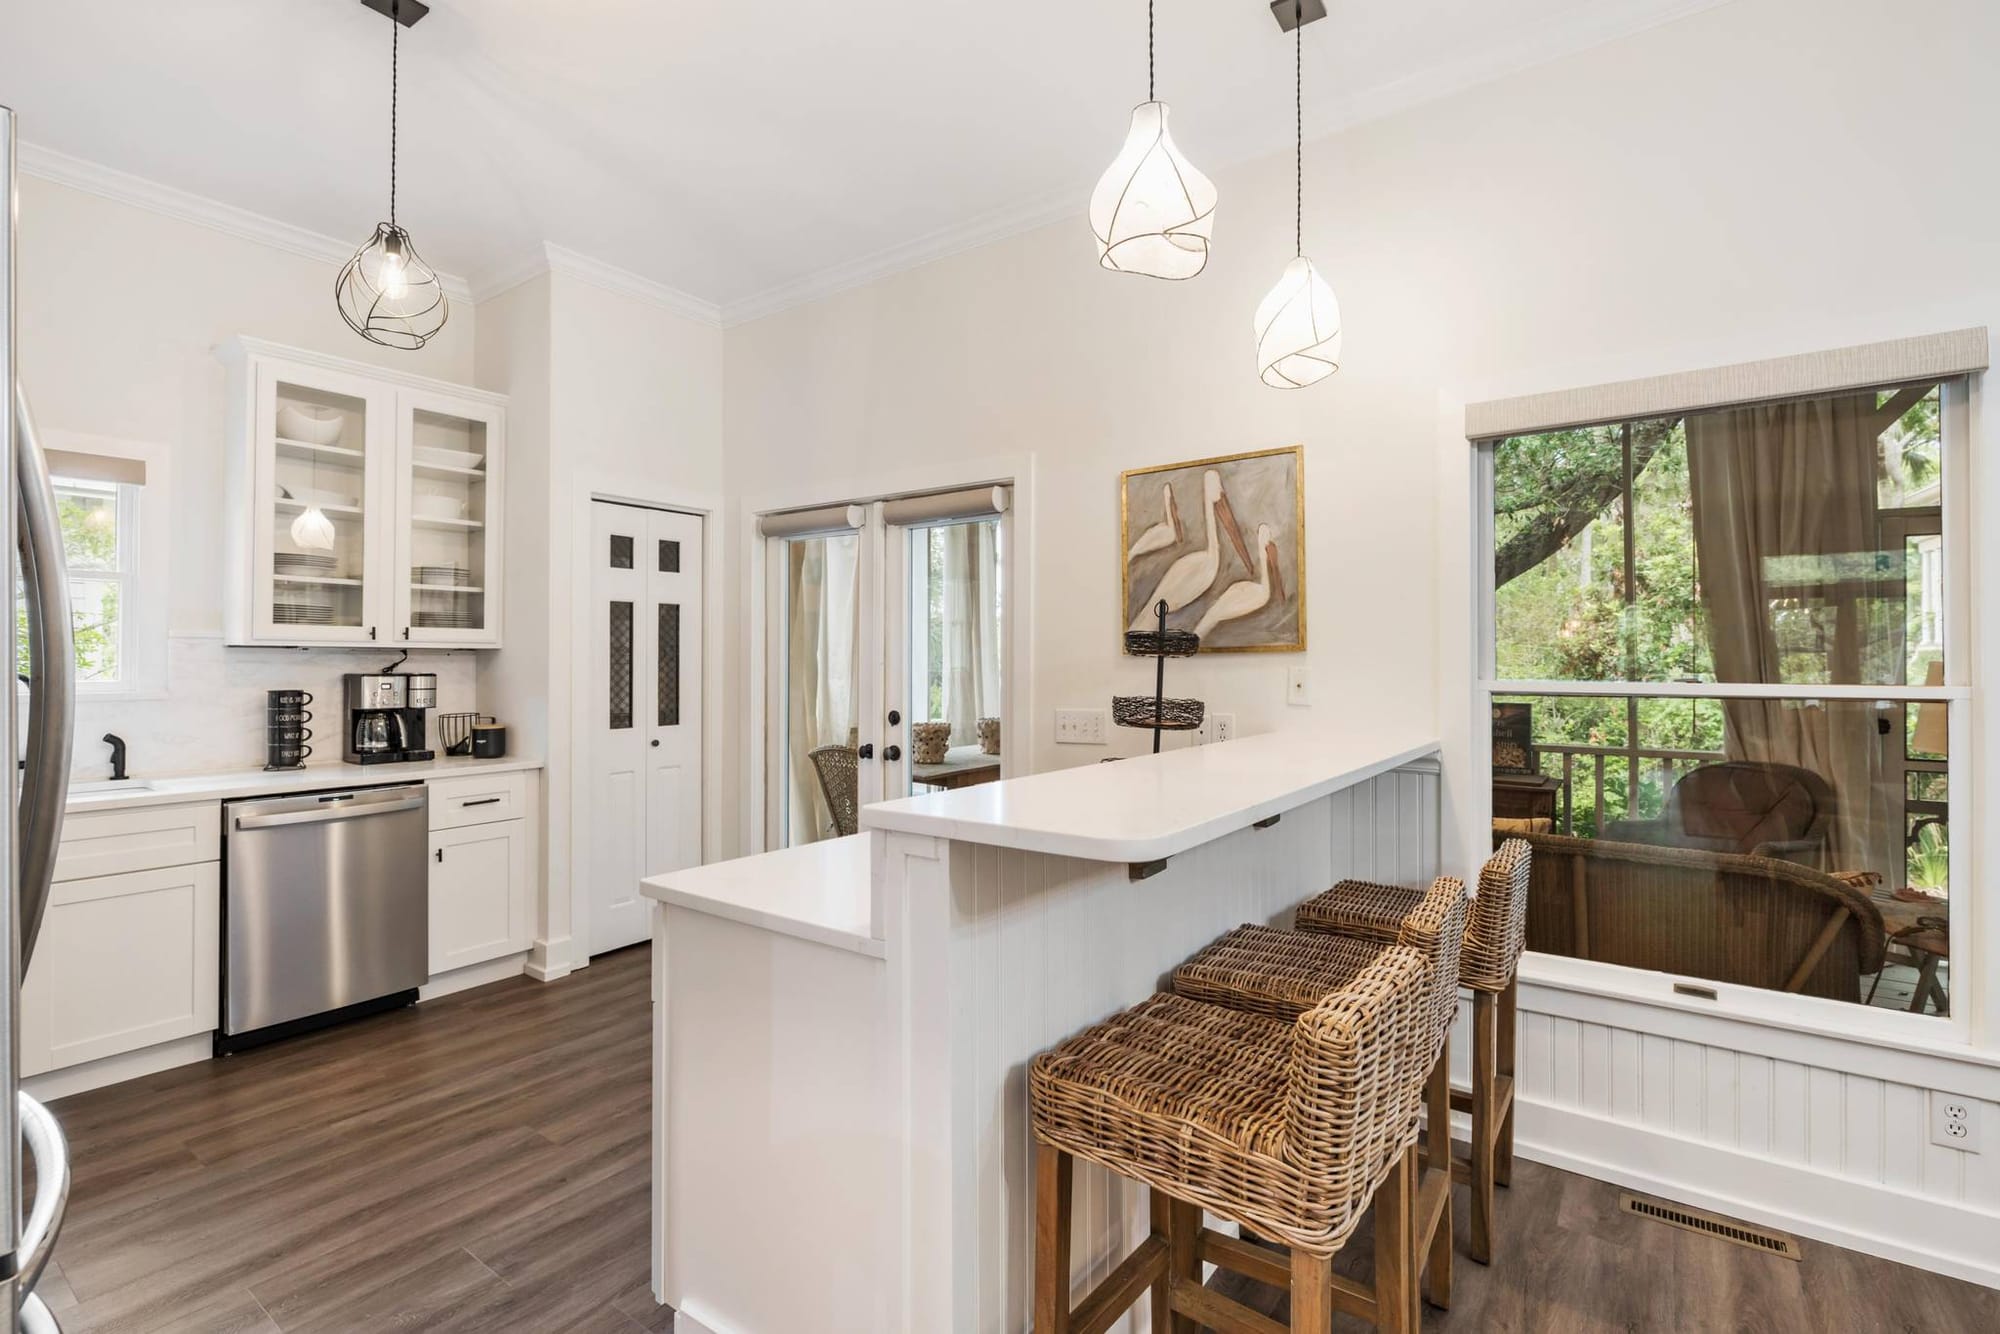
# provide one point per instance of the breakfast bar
(842, 1030)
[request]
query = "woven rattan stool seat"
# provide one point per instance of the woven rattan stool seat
(1361, 909)
(1277, 973)
(1285, 1127)
(1494, 932)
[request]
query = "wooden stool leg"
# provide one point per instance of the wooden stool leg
(1510, 1027)
(1485, 1056)
(1053, 1172)
(1161, 1205)
(1312, 1293)
(1183, 1230)
(1437, 1159)
(1395, 1265)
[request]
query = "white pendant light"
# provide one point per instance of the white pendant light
(1298, 323)
(1152, 212)
(312, 530)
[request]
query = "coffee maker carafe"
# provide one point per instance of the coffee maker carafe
(385, 716)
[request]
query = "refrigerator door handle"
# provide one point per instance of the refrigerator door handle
(50, 1151)
(52, 669)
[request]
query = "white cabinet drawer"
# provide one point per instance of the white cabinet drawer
(124, 962)
(478, 799)
(96, 843)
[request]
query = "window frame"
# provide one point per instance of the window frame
(1957, 693)
(145, 573)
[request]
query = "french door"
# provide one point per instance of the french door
(885, 629)
(646, 710)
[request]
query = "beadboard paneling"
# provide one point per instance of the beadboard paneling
(1042, 946)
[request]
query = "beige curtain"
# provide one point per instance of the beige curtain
(823, 640)
(971, 638)
(1785, 480)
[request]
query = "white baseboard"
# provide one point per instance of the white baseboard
(1942, 1236)
(473, 975)
(117, 1069)
(687, 1321)
(550, 960)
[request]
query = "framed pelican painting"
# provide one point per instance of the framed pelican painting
(1223, 542)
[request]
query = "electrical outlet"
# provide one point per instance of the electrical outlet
(1298, 686)
(1080, 727)
(1224, 727)
(1954, 1122)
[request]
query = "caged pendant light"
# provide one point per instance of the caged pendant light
(1298, 323)
(387, 294)
(1152, 212)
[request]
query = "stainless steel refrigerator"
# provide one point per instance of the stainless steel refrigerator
(37, 792)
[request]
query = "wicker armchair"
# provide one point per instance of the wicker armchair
(838, 779)
(1286, 1127)
(1752, 921)
(1747, 806)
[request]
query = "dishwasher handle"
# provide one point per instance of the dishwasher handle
(328, 814)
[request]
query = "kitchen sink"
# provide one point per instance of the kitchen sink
(110, 785)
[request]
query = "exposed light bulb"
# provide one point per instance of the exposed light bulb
(312, 530)
(1298, 329)
(395, 284)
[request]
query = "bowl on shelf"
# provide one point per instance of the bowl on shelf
(447, 458)
(312, 426)
(434, 506)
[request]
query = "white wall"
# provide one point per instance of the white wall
(1762, 178)
(121, 310)
(611, 395)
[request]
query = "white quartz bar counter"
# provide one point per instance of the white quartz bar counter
(147, 790)
(818, 891)
(1155, 806)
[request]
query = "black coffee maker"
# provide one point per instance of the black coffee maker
(385, 716)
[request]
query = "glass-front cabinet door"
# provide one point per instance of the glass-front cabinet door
(323, 446)
(448, 539)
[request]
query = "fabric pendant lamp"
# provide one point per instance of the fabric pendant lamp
(1152, 213)
(312, 530)
(1298, 323)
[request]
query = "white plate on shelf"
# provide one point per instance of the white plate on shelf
(438, 507)
(447, 458)
(312, 426)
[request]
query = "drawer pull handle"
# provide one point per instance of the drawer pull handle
(482, 801)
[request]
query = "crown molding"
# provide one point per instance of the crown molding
(1575, 31)
(125, 188)
(552, 258)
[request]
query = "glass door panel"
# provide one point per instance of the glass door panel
(816, 673)
(950, 690)
(319, 515)
(449, 543)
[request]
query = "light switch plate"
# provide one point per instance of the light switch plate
(1081, 727)
(1298, 686)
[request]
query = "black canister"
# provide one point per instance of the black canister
(489, 741)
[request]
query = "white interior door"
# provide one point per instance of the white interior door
(646, 709)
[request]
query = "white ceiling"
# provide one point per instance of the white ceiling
(746, 154)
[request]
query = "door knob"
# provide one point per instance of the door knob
(866, 751)
(892, 753)
(656, 741)
(894, 717)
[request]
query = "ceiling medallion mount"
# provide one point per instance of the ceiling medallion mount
(1291, 14)
(386, 293)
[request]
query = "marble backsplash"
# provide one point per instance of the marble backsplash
(212, 716)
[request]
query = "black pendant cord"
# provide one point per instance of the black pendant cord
(395, 79)
(1149, 52)
(1160, 677)
(1299, 126)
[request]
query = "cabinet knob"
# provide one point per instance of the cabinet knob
(371, 632)
(440, 856)
(406, 632)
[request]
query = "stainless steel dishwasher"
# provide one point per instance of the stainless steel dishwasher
(326, 909)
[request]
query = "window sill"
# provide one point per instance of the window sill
(1738, 1007)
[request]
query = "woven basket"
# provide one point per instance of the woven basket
(1162, 643)
(989, 736)
(929, 742)
(1172, 715)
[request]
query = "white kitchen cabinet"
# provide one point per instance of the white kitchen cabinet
(482, 894)
(124, 962)
(405, 472)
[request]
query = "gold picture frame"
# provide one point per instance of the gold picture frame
(1171, 514)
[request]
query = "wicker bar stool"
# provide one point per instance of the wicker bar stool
(1285, 973)
(1487, 965)
(1288, 1128)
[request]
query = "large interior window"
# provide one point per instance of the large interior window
(1721, 695)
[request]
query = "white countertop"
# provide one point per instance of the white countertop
(1153, 806)
(147, 790)
(818, 891)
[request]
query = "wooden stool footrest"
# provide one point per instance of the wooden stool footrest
(1245, 1258)
(1115, 1295)
(1215, 1311)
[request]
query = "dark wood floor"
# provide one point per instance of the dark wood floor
(480, 1164)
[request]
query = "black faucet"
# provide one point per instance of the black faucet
(117, 744)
